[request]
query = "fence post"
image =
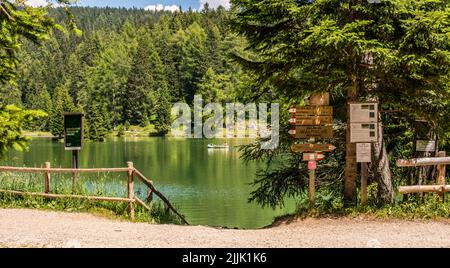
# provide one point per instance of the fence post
(47, 178)
(441, 176)
(149, 196)
(131, 188)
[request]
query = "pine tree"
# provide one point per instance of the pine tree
(95, 121)
(194, 63)
(62, 103)
(137, 101)
(215, 87)
(40, 99)
(162, 111)
(352, 49)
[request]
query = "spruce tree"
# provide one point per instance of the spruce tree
(40, 99)
(137, 101)
(62, 103)
(394, 51)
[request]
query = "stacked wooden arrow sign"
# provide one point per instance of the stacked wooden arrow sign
(312, 122)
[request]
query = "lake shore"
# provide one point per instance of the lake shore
(34, 228)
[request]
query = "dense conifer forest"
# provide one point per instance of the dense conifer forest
(126, 67)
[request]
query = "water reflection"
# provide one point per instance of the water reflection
(209, 186)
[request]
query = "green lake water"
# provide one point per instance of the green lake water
(208, 186)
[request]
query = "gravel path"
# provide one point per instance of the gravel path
(22, 227)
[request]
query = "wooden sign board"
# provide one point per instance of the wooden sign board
(318, 132)
(312, 165)
(73, 131)
(314, 111)
(425, 146)
(364, 152)
(364, 112)
(301, 120)
(363, 132)
(313, 157)
(301, 148)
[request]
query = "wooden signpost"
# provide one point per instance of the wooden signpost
(313, 156)
(312, 147)
(364, 156)
(311, 120)
(308, 132)
(312, 123)
(313, 111)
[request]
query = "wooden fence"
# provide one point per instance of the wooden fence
(441, 188)
(130, 171)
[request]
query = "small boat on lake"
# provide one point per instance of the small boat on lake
(218, 146)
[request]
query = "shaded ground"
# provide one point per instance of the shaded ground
(25, 228)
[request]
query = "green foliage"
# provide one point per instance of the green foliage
(96, 121)
(396, 52)
(120, 131)
(40, 99)
(12, 121)
(62, 103)
(20, 22)
(162, 110)
(15, 21)
(215, 87)
(331, 203)
(128, 66)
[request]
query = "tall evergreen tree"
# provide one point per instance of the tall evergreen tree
(137, 101)
(62, 103)
(96, 124)
(350, 48)
(40, 99)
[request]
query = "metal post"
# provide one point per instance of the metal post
(75, 166)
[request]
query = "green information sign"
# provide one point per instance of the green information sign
(73, 131)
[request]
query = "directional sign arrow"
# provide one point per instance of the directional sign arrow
(300, 148)
(313, 157)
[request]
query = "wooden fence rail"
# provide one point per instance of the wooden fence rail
(420, 162)
(441, 188)
(131, 199)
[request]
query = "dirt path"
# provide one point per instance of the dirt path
(21, 227)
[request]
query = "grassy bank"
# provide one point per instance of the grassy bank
(95, 184)
(331, 204)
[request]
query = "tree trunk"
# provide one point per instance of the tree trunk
(381, 169)
(350, 151)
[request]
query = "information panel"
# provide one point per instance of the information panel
(364, 112)
(364, 152)
(363, 132)
(425, 146)
(73, 131)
